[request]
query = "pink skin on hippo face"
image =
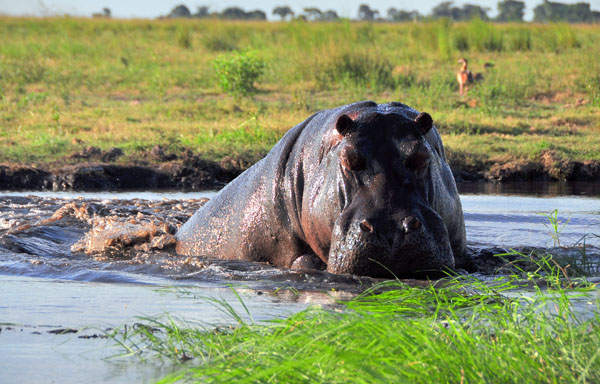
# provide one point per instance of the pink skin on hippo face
(362, 189)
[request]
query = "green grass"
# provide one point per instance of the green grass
(536, 322)
(136, 83)
(459, 329)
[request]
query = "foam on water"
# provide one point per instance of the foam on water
(98, 239)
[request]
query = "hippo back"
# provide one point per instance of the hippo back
(396, 210)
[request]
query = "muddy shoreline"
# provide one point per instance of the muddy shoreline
(96, 170)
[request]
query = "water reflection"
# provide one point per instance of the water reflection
(71, 295)
(532, 188)
(108, 195)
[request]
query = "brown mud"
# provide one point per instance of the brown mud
(548, 167)
(95, 170)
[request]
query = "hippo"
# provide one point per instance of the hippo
(361, 189)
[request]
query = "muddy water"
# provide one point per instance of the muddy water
(128, 237)
(73, 268)
(125, 241)
(90, 263)
(38, 315)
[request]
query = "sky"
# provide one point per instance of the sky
(155, 8)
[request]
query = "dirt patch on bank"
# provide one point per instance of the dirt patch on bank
(549, 167)
(93, 169)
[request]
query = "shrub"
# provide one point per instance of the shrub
(237, 72)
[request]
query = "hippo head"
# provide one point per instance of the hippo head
(386, 225)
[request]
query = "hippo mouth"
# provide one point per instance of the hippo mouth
(377, 264)
(401, 255)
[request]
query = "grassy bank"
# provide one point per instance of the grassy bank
(66, 84)
(458, 330)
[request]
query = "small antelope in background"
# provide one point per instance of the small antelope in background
(465, 77)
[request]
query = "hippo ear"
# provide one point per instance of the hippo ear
(424, 121)
(344, 124)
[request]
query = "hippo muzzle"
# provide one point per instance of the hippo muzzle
(409, 244)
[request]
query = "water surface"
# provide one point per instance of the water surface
(63, 265)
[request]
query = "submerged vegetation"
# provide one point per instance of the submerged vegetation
(458, 329)
(66, 84)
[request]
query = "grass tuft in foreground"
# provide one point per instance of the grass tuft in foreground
(458, 329)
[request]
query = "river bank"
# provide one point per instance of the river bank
(190, 172)
(118, 104)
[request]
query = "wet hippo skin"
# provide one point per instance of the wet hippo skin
(362, 189)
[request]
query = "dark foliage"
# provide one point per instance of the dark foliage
(464, 13)
(573, 13)
(510, 10)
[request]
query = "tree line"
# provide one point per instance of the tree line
(508, 11)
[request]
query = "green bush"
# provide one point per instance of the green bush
(237, 72)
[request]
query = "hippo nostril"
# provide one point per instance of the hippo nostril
(366, 226)
(411, 224)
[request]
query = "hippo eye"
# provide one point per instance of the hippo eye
(417, 162)
(352, 160)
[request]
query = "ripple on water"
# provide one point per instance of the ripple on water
(127, 241)
(97, 239)
(131, 240)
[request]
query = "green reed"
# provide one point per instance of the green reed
(530, 326)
